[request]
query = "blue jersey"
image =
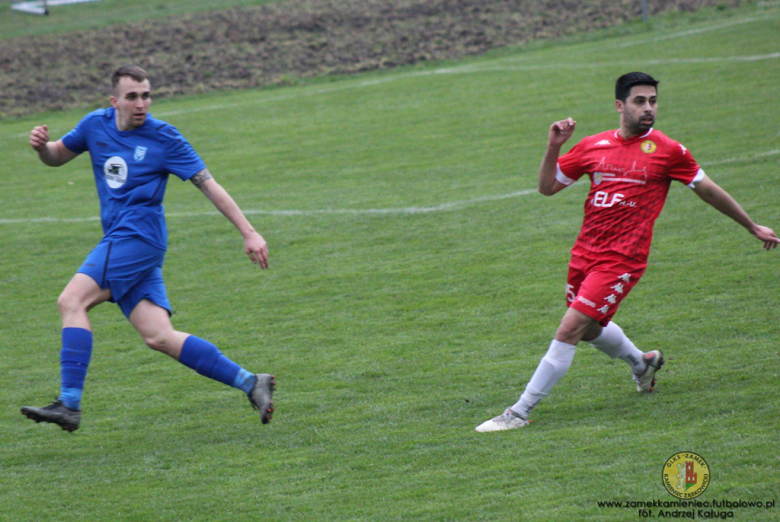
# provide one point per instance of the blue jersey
(131, 171)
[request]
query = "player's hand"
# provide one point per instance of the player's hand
(767, 235)
(39, 137)
(560, 131)
(257, 250)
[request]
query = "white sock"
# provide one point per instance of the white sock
(552, 367)
(614, 343)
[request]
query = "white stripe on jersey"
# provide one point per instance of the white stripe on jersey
(560, 177)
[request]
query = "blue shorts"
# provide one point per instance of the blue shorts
(131, 269)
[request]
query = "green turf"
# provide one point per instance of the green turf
(90, 15)
(408, 301)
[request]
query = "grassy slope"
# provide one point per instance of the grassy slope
(393, 335)
(281, 43)
(90, 15)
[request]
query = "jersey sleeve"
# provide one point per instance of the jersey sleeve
(76, 140)
(683, 168)
(181, 159)
(570, 167)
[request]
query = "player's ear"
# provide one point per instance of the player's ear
(619, 106)
(113, 101)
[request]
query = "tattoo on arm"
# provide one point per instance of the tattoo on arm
(201, 177)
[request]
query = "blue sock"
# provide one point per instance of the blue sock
(74, 362)
(245, 381)
(207, 360)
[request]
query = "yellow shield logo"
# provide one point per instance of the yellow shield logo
(648, 146)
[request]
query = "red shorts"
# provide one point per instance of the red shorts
(598, 283)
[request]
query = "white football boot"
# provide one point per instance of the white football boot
(508, 420)
(646, 381)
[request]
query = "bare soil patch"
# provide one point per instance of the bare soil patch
(272, 44)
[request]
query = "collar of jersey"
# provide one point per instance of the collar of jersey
(629, 140)
(110, 115)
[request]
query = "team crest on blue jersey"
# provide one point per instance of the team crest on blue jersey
(140, 153)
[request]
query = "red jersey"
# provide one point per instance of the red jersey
(629, 183)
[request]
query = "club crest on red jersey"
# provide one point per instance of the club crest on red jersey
(648, 146)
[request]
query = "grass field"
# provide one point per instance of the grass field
(416, 281)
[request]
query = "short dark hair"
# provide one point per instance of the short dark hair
(132, 71)
(632, 79)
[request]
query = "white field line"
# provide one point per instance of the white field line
(462, 69)
(476, 68)
(691, 32)
(354, 212)
(590, 65)
(366, 211)
(467, 69)
(739, 159)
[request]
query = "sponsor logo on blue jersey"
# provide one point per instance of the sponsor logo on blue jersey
(115, 172)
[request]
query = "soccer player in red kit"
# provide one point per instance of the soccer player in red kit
(630, 171)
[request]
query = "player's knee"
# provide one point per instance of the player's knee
(574, 326)
(69, 303)
(567, 334)
(164, 342)
(157, 342)
(592, 332)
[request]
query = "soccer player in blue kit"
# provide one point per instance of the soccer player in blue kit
(132, 155)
